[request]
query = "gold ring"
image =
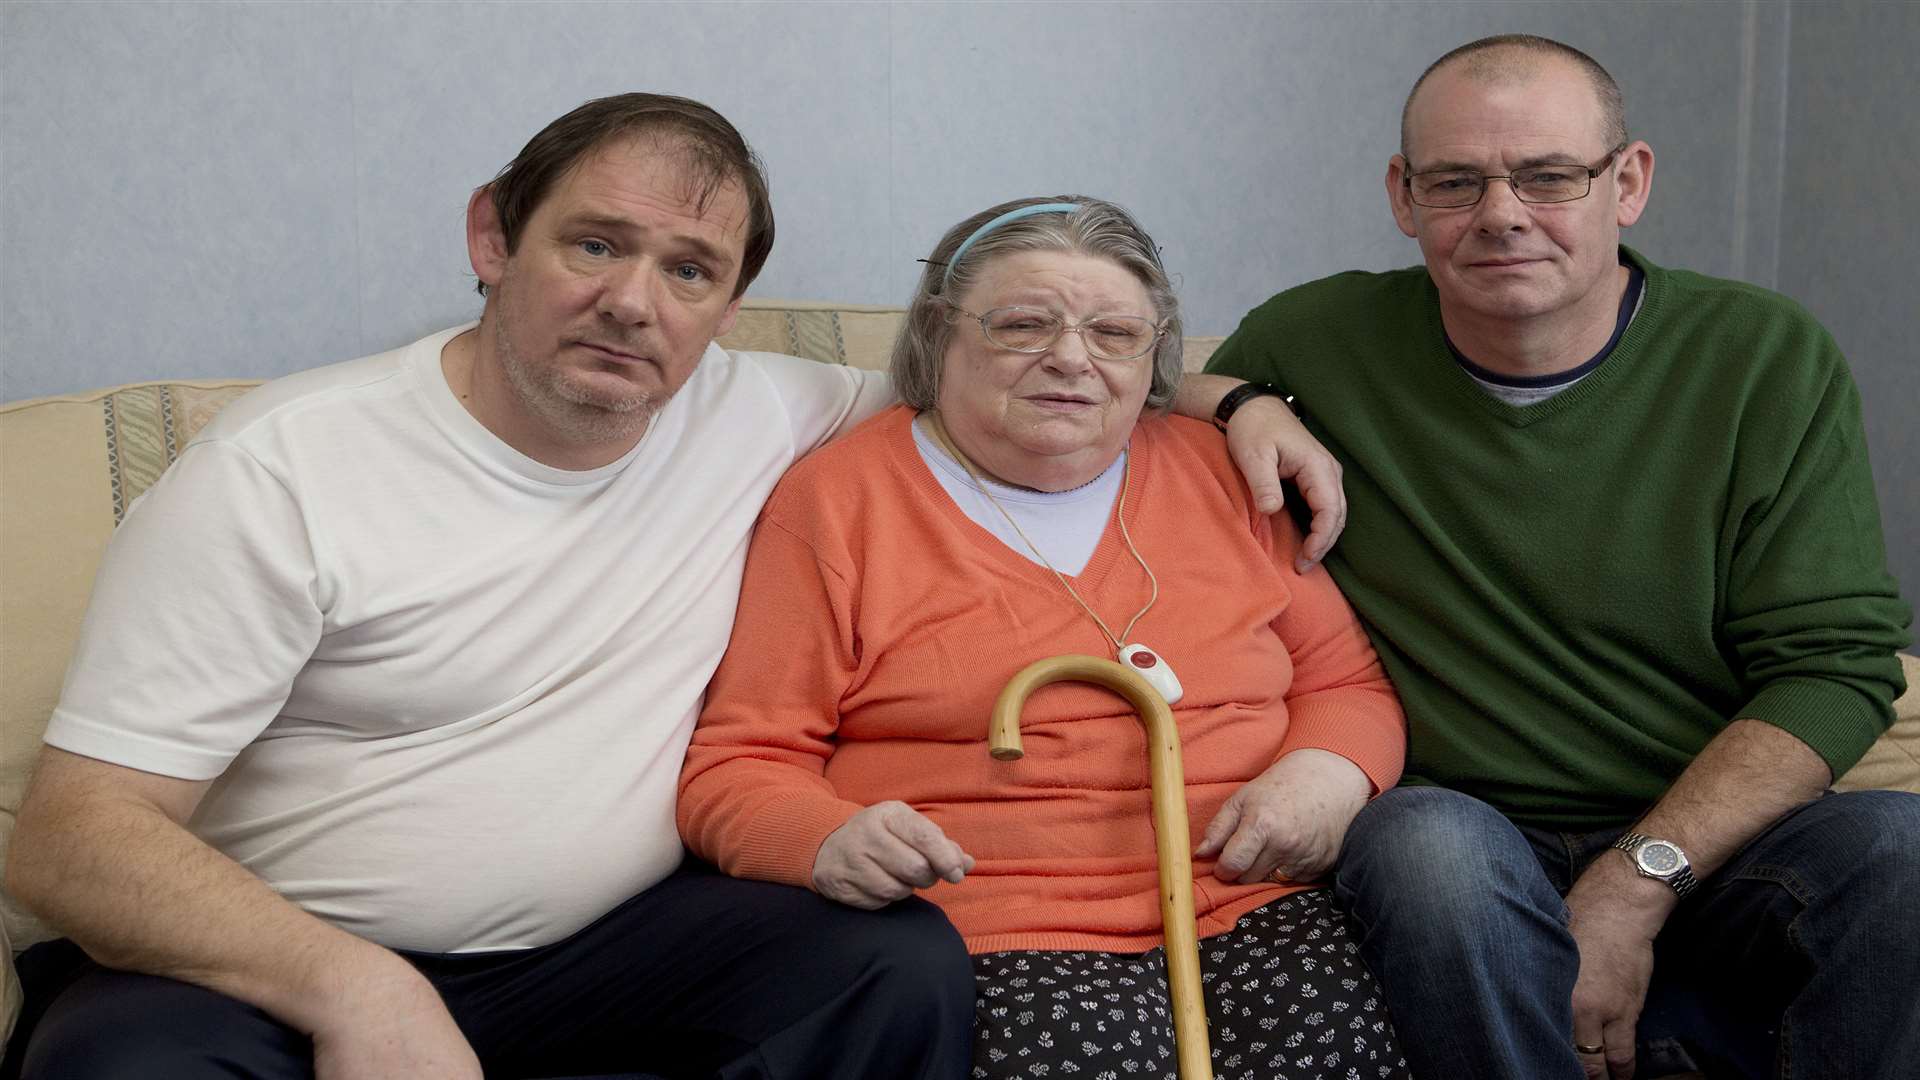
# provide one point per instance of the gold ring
(1583, 1048)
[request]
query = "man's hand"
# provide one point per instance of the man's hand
(396, 1027)
(882, 854)
(1749, 776)
(1270, 444)
(100, 850)
(1291, 818)
(1614, 916)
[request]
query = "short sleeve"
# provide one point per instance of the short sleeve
(824, 401)
(203, 612)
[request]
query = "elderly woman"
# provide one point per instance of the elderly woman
(1030, 499)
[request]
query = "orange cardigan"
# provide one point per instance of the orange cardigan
(877, 623)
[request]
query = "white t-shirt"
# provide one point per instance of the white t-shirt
(446, 690)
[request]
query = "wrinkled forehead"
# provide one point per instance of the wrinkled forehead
(666, 169)
(1043, 275)
(1514, 102)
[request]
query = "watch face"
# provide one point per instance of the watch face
(1660, 858)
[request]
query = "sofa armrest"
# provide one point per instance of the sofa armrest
(1893, 761)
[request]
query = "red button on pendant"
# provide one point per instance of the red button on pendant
(1143, 659)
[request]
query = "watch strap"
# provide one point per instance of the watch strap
(1239, 396)
(1683, 882)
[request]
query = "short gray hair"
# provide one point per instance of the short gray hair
(1509, 57)
(1098, 228)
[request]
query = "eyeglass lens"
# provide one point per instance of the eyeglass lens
(1111, 337)
(1545, 184)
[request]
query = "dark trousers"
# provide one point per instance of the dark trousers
(1796, 959)
(700, 976)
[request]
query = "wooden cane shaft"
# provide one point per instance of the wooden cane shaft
(1169, 827)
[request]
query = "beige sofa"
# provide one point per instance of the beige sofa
(69, 466)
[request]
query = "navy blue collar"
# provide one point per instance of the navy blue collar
(1636, 280)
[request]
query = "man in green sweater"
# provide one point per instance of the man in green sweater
(1615, 537)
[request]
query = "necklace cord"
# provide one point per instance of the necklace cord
(939, 432)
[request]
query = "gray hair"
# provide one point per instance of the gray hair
(1098, 228)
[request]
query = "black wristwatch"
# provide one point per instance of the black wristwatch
(1238, 396)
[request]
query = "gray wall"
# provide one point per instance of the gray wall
(1850, 230)
(221, 189)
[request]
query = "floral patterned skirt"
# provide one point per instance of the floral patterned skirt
(1287, 999)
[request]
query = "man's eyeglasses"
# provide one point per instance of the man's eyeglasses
(1032, 330)
(1534, 184)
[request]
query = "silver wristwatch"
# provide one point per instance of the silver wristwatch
(1661, 860)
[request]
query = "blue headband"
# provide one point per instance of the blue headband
(946, 282)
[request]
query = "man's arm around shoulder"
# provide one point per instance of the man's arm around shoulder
(1269, 444)
(102, 852)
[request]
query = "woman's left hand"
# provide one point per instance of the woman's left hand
(1291, 818)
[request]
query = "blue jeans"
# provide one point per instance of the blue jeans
(1799, 957)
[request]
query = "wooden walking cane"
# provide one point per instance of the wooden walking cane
(1169, 827)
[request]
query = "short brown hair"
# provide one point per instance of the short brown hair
(714, 153)
(1486, 63)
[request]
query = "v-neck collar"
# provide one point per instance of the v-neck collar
(1439, 361)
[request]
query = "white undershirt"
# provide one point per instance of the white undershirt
(1067, 525)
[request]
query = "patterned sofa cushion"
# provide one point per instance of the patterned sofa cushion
(860, 336)
(68, 468)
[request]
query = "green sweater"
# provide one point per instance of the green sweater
(1575, 596)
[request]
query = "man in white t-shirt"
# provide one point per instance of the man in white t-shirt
(366, 758)
(369, 746)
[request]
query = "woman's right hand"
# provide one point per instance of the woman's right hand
(884, 853)
(1291, 819)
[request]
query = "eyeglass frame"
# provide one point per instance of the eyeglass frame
(1159, 330)
(1593, 173)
